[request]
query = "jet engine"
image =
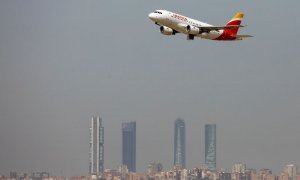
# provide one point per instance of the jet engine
(166, 30)
(193, 30)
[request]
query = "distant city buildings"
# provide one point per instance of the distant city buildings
(96, 155)
(291, 170)
(238, 168)
(210, 146)
(179, 143)
(155, 172)
(155, 167)
(129, 145)
(238, 171)
(13, 175)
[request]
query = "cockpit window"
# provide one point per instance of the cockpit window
(157, 12)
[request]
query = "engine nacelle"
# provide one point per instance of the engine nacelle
(166, 30)
(193, 30)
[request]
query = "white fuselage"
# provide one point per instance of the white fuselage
(179, 23)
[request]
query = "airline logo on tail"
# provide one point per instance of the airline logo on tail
(236, 20)
(170, 24)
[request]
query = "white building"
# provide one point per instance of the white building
(239, 168)
(291, 170)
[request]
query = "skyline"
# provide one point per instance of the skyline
(63, 61)
(239, 172)
(210, 136)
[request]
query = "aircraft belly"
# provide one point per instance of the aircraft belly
(176, 26)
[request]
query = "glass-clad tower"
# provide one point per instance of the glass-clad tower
(210, 146)
(179, 143)
(96, 154)
(129, 145)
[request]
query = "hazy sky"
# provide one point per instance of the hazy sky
(61, 62)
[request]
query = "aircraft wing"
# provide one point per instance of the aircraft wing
(209, 28)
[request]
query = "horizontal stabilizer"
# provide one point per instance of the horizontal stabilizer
(241, 36)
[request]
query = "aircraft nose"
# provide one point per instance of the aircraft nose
(151, 16)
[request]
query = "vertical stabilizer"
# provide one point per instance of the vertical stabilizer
(236, 20)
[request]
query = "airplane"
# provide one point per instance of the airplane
(172, 23)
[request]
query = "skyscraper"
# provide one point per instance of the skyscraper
(129, 145)
(179, 143)
(96, 154)
(210, 146)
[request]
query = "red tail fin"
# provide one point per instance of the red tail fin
(236, 20)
